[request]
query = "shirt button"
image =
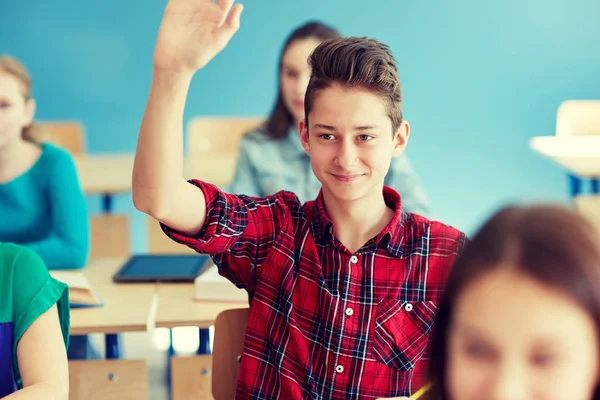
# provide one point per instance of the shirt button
(349, 311)
(408, 307)
(339, 369)
(353, 259)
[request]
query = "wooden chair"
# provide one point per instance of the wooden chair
(191, 378)
(230, 330)
(108, 380)
(218, 135)
(159, 243)
(196, 377)
(67, 134)
(109, 236)
(589, 207)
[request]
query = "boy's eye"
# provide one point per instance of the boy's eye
(364, 138)
(326, 136)
(4, 104)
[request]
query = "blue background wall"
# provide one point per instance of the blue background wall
(480, 79)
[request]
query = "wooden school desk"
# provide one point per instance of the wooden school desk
(177, 307)
(581, 156)
(136, 307)
(110, 174)
(127, 307)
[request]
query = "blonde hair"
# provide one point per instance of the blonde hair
(13, 67)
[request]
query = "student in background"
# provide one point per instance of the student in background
(41, 203)
(34, 328)
(343, 289)
(520, 318)
(271, 158)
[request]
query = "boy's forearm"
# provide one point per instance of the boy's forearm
(159, 157)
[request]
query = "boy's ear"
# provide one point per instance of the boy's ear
(401, 138)
(303, 130)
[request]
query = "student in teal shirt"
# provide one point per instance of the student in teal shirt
(34, 328)
(41, 203)
(271, 158)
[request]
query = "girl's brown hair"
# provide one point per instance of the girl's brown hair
(16, 69)
(552, 244)
(281, 120)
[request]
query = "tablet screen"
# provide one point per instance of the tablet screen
(146, 268)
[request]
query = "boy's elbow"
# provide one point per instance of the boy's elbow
(148, 205)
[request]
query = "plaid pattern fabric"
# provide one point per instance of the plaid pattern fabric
(325, 323)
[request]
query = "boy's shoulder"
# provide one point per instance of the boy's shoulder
(420, 232)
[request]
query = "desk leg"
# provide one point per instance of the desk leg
(574, 185)
(204, 347)
(596, 185)
(106, 203)
(170, 353)
(114, 346)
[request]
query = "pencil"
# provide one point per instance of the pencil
(421, 391)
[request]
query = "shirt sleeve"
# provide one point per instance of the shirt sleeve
(34, 293)
(239, 231)
(67, 245)
(245, 179)
(402, 178)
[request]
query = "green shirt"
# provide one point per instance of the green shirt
(26, 292)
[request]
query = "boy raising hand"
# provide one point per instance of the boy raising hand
(343, 289)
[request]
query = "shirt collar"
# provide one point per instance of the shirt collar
(392, 236)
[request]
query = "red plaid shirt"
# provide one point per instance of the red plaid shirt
(325, 323)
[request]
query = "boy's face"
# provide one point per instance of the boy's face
(351, 143)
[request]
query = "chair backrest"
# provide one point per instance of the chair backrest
(228, 346)
(108, 380)
(159, 243)
(67, 134)
(109, 236)
(578, 118)
(218, 135)
(589, 207)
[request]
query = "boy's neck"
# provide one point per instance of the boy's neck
(358, 221)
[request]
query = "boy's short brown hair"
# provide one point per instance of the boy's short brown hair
(356, 62)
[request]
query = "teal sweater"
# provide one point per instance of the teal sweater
(44, 209)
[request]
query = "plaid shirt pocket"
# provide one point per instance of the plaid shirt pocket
(402, 331)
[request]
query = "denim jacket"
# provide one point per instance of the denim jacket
(266, 166)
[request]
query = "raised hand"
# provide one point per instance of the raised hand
(192, 32)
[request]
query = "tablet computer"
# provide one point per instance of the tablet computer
(162, 268)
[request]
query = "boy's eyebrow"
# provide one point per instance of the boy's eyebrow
(323, 126)
(357, 128)
(366, 127)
